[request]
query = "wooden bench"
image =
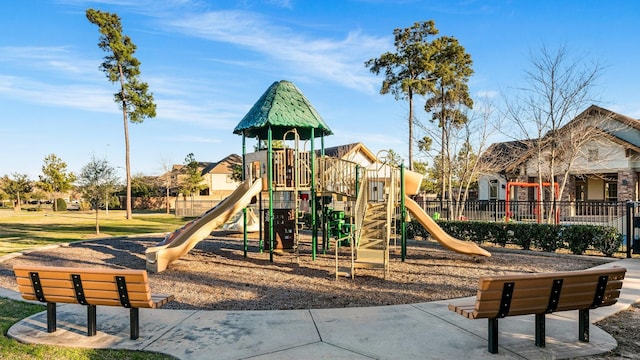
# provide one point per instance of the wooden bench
(91, 287)
(540, 294)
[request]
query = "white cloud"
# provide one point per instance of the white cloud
(77, 96)
(487, 94)
(340, 61)
(216, 116)
(57, 60)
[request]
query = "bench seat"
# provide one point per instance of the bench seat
(540, 294)
(90, 287)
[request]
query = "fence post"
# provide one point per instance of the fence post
(631, 214)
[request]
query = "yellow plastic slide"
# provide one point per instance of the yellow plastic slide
(187, 237)
(451, 243)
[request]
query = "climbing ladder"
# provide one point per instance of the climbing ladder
(375, 217)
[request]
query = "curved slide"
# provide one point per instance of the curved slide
(451, 243)
(187, 237)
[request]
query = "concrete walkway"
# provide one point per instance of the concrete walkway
(416, 331)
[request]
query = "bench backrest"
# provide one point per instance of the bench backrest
(88, 286)
(505, 295)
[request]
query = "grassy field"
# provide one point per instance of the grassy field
(12, 311)
(26, 230)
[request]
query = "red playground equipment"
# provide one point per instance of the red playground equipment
(508, 212)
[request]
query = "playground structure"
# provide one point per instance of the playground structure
(355, 204)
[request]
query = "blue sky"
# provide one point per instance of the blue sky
(207, 62)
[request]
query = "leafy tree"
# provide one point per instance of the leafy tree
(54, 178)
(121, 66)
(236, 172)
(264, 144)
(451, 96)
(96, 181)
(410, 69)
(192, 182)
(144, 186)
(15, 186)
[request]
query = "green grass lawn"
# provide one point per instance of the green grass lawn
(12, 311)
(26, 230)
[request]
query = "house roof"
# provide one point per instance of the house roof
(617, 130)
(282, 107)
(501, 155)
(342, 151)
(224, 166)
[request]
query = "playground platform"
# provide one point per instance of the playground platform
(415, 331)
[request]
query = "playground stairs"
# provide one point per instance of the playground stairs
(372, 249)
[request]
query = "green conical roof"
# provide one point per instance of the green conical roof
(282, 107)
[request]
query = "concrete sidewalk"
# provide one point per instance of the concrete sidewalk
(416, 331)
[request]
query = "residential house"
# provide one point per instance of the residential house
(598, 153)
(218, 181)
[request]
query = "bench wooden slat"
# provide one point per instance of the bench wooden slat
(521, 290)
(569, 277)
(139, 276)
(93, 285)
(88, 293)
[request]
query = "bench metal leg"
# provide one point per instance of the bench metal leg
(91, 320)
(493, 335)
(51, 317)
(583, 325)
(134, 320)
(540, 330)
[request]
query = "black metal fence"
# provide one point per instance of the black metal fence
(607, 213)
(568, 212)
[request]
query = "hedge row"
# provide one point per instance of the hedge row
(576, 238)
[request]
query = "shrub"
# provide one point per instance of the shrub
(61, 205)
(578, 238)
(607, 240)
(522, 234)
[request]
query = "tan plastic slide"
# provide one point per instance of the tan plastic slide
(187, 237)
(451, 243)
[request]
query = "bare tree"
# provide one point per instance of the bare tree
(166, 179)
(558, 89)
(475, 141)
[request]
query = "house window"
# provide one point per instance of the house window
(493, 190)
(581, 190)
(592, 155)
(611, 191)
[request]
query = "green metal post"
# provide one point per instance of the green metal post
(325, 233)
(314, 225)
(357, 180)
(244, 210)
(270, 182)
(403, 214)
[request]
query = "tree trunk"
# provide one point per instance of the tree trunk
(167, 203)
(410, 129)
(17, 207)
(97, 222)
(126, 144)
